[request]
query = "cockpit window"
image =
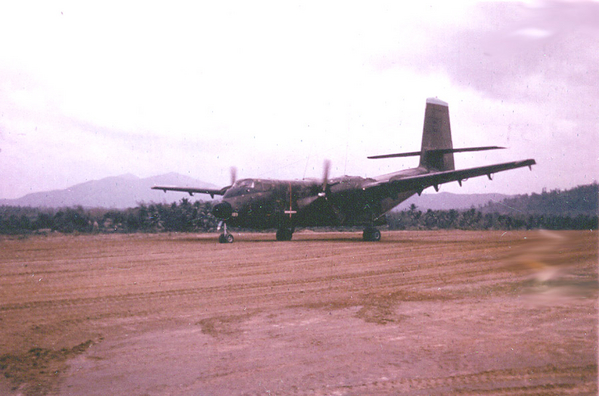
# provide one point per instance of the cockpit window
(246, 184)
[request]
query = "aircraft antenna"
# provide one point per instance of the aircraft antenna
(347, 134)
(346, 149)
(306, 167)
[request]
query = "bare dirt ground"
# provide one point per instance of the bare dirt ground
(430, 312)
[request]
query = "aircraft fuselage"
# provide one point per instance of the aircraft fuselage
(263, 203)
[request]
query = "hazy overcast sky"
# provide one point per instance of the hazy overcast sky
(275, 88)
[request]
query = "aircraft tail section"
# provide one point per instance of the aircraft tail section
(436, 152)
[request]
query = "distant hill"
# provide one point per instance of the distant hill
(126, 191)
(447, 201)
(116, 192)
(581, 200)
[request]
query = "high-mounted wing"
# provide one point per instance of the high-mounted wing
(419, 182)
(191, 190)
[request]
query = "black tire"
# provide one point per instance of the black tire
(375, 236)
(226, 238)
(284, 234)
(371, 235)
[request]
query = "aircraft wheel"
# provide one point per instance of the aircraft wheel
(226, 238)
(371, 235)
(279, 235)
(284, 234)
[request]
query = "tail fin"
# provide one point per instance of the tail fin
(436, 152)
(437, 149)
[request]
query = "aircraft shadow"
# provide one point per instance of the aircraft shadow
(270, 238)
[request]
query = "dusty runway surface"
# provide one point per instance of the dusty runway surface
(418, 313)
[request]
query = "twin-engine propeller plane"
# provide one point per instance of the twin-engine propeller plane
(347, 200)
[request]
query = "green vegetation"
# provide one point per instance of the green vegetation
(473, 219)
(183, 217)
(581, 200)
(574, 209)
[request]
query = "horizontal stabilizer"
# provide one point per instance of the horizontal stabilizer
(437, 151)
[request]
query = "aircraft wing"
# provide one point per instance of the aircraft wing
(192, 190)
(420, 182)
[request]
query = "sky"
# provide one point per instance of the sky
(96, 89)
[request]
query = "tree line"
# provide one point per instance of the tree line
(578, 200)
(185, 216)
(574, 209)
(473, 219)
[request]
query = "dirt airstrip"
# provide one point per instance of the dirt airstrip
(417, 313)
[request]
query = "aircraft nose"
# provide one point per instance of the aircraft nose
(222, 211)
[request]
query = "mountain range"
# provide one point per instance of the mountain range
(447, 201)
(118, 192)
(126, 191)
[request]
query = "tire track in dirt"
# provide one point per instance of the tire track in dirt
(406, 275)
(408, 278)
(525, 381)
(98, 286)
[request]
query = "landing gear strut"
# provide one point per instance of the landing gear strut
(371, 234)
(284, 234)
(225, 237)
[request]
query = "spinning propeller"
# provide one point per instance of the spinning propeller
(325, 177)
(233, 175)
(302, 203)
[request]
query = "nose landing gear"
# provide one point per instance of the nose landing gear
(225, 237)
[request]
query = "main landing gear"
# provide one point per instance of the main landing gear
(284, 234)
(225, 237)
(371, 234)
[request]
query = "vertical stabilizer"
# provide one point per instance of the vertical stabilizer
(436, 135)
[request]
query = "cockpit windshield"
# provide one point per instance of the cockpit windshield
(248, 186)
(247, 183)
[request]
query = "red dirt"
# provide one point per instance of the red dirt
(430, 312)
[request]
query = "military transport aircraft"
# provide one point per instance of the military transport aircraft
(347, 200)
